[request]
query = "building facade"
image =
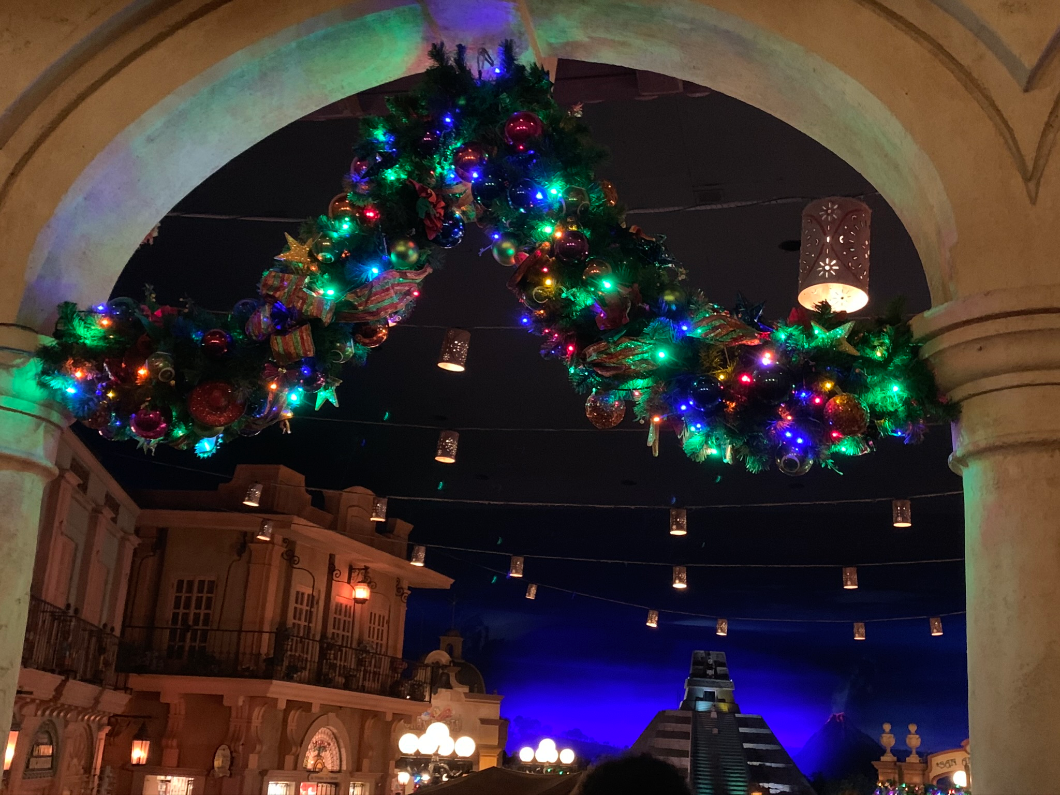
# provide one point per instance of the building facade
(262, 643)
(68, 688)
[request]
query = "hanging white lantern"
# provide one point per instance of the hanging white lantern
(454, 350)
(531, 590)
(850, 578)
(264, 531)
(379, 509)
(723, 627)
(834, 259)
(653, 618)
(680, 577)
(935, 622)
(516, 567)
(902, 513)
(859, 630)
(419, 556)
(446, 451)
(253, 498)
(678, 522)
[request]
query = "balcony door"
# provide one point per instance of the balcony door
(302, 647)
(190, 617)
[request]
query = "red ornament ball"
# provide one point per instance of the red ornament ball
(216, 342)
(150, 422)
(522, 127)
(215, 403)
(845, 415)
(572, 247)
(468, 162)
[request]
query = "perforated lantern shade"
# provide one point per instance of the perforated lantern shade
(680, 577)
(859, 630)
(419, 555)
(264, 531)
(850, 578)
(902, 513)
(834, 259)
(379, 509)
(723, 627)
(531, 590)
(447, 443)
(653, 618)
(516, 568)
(936, 626)
(453, 356)
(678, 522)
(253, 498)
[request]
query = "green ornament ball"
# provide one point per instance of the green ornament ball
(404, 253)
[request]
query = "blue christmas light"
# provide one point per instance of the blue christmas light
(295, 396)
(375, 270)
(70, 390)
(204, 448)
(525, 320)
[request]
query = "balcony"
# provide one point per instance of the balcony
(58, 641)
(279, 656)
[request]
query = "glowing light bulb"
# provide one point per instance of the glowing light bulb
(661, 354)
(104, 321)
(828, 385)
(79, 374)
(548, 282)
(526, 754)
(721, 376)
(817, 399)
(656, 419)
(745, 378)
(408, 743)
(607, 285)
(329, 292)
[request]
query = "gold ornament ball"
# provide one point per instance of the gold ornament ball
(845, 414)
(596, 269)
(371, 335)
(340, 207)
(575, 197)
(324, 249)
(505, 249)
(404, 253)
(605, 409)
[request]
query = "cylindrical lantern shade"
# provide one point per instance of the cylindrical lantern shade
(834, 263)
(253, 498)
(859, 630)
(936, 626)
(447, 442)
(265, 531)
(454, 350)
(419, 555)
(516, 568)
(379, 509)
(680, 577)
(531, 590)
(850, 578)
(902, 513)
(723, 627)
(678, 522)
(653, 618)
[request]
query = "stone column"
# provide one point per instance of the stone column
(29, 437)
(998, 354)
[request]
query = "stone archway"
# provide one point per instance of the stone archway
(114, 111)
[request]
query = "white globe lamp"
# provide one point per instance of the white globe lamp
(408, 743)
(465, 747)
(526, 754)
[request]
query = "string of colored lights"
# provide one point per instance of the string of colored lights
(710, 616)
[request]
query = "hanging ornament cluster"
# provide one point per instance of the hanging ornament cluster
(606, 298)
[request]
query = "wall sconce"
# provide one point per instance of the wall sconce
(362, 587)
(253, 498)
(141, 745)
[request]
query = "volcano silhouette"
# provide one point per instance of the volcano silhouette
(839, 750)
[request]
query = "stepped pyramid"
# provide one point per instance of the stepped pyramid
(721, 750)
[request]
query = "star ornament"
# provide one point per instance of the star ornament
(749, 313)
(297, 254)
(836, 338)
(326, 393)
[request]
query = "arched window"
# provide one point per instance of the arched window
(323, 753)
(43, 753)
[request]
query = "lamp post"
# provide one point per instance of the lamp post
(433, 756)
(546, 759)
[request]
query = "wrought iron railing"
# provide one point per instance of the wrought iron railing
(61, 642)
(280, 655)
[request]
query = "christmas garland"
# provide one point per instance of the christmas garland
(894, 788)
(490, 146)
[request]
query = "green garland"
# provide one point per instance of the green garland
(491, 146)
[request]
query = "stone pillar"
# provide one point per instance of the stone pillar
(29, 437)
(998, 354)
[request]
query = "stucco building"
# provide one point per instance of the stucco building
(256, 664)
(68, 688)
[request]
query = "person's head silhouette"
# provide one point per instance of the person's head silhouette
(633, 775)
